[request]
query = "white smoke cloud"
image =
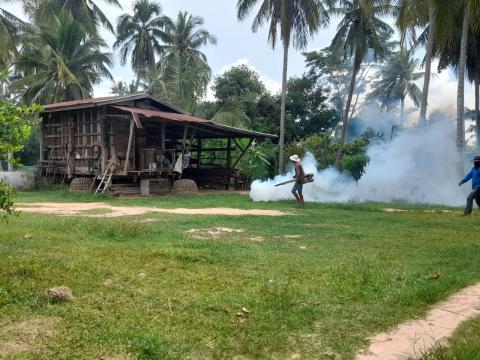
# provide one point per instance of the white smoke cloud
(328, 186)
(418, 166)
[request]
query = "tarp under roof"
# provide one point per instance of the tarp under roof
(205, 128)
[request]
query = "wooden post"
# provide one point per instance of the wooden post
(199, 152)
(70, 147)
(41, 143)
(162, 138)
(113, 150)
(129, 147)
(103, 129)
(84, 137)
(229, 153)
(192, 137)
(184, 139)
(134, 153)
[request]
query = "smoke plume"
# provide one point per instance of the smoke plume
(417, 166)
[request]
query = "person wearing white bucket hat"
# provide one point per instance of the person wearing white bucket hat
(299, 177)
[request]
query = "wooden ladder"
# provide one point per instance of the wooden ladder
(107, 177)
(105, 182)
(47, 172)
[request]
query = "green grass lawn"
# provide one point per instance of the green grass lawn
(320, 283)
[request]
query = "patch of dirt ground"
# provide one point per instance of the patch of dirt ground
(107, 210)
(393, 210)
(116, 357)
(212, 232)
(415, 337)
(27, 335)
(215, 233)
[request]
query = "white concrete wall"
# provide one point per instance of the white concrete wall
(19, 179)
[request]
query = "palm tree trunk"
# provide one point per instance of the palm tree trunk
(477, 111)
(282, 109)
(461, 92)
(343, 136)
(428, 67)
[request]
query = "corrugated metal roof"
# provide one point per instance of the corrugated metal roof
(106, 100)
(163, 115)
(201, 124)
(77, 102)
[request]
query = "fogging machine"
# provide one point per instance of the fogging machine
(308, 179)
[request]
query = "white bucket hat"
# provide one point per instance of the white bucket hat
(295, 158)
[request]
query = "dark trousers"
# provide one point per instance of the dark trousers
(474, 195)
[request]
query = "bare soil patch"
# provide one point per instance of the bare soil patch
(415, 337)
(27, 335)
(108, 211)
(256, 238)
(393, 210)
(210, 233)
(116, 357)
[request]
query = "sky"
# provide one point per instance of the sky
(238, 45)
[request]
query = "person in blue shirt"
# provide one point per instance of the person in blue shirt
(474, 175)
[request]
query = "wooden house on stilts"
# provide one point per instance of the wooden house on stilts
(126, 139)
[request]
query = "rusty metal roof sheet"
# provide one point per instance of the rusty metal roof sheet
(106, 100)
(162, 115)
(201, 124)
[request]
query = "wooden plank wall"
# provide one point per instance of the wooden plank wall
(70, 138)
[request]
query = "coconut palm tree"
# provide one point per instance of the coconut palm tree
(139, 35)
(457, 19)
(293, 21)
(449, 56)
(86, 12)
(10, 28)
(397, 82)
(60, 62)
(413, 15)
(121, 88)
(358, 34)
(182, 63)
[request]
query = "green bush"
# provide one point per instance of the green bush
(324, 148)
(355, 165)
(6, 203)
(260, 161)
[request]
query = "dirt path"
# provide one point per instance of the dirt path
(413, 338)
(99, 209)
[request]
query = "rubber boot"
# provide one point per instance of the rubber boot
(301, 200)
(297, 197)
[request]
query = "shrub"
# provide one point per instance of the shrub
(6, 203)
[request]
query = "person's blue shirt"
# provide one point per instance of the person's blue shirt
(474, 174)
